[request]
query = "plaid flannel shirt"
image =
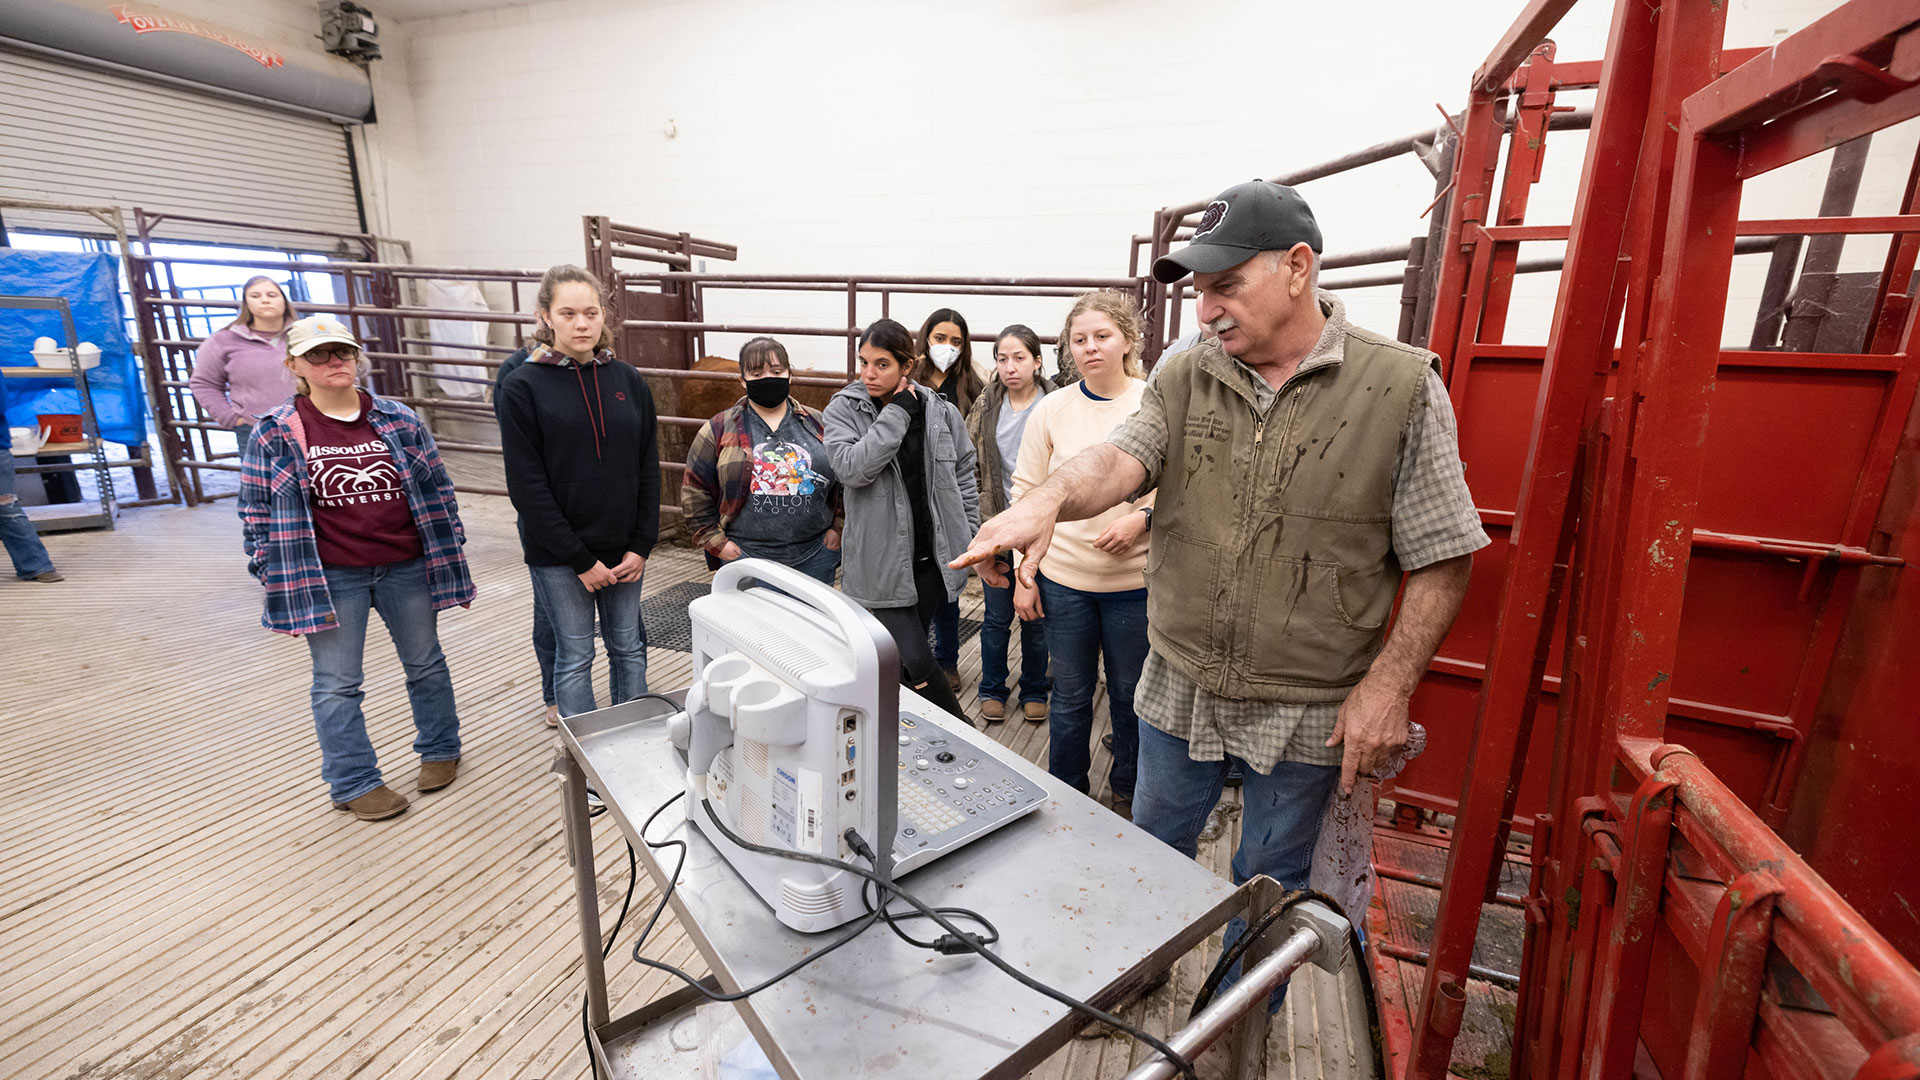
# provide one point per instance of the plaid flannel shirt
(277, 524)
(713, 490)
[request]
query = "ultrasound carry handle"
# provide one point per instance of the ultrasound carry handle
(857, 625)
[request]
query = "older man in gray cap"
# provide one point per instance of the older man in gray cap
(1303, 466)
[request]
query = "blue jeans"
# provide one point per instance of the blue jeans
(995, 634)
(571, 609)
(22, 540)
(1279, 823)
(400, 593)
(946, 635)
(820, 564)
(543, 646)
(1082, 628)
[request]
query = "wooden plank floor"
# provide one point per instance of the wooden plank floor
(178, 899)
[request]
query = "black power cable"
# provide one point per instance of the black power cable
(955, 942)
(633, 875)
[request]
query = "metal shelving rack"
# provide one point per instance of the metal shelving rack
(92, 451)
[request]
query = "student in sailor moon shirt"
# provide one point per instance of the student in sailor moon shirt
(758, 480)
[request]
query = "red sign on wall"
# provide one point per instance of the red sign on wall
(147, 22)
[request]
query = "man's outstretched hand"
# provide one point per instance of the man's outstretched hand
(1025, 527)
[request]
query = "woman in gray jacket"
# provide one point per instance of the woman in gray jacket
(912, 502)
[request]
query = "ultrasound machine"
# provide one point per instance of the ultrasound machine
(794, 732)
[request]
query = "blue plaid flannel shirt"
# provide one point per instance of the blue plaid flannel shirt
(277, 525)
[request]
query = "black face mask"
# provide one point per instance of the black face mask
(767, 391)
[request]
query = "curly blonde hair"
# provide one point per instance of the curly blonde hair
(1124, 309)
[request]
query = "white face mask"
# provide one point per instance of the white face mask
(943, 356)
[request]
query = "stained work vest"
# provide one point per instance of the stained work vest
(1272, 571)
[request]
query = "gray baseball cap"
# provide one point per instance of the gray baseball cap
(1241, 222)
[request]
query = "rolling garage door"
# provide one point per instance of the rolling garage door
(76, 134)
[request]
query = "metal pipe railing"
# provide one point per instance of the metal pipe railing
(1860, 962)
(1224, 1011)
(875, 284)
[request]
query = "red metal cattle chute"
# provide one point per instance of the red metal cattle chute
(1709, 517)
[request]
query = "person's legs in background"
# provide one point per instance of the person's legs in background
(908, 625)
(543, 655)
(1123, 644)
(347, 761)
(570, 610)
(1035, 681)
(946, 641)
(626, 641)
(1073, 646)
(30, 559)
(996, 632)
(404, 598)
(918, 672)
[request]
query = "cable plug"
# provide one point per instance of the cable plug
(860, 847)
(956, 944)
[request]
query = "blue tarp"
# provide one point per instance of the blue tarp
(91, 285)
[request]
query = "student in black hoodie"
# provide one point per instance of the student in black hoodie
(578, 435)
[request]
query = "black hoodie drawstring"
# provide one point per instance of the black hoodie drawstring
(600, 427)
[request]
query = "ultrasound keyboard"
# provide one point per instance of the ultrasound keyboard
(951, 792)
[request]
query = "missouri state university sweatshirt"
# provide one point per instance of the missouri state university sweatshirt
(582, 459)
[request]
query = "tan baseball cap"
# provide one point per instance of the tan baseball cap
(310, 333)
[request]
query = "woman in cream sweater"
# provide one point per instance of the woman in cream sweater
(1091, 589)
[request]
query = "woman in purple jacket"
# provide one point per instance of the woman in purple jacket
(238, 374)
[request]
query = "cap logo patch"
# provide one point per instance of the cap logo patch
(1211, 218)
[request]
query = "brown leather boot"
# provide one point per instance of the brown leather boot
(435, 775)
(1036, 712)
(992, 711)
(376, 805)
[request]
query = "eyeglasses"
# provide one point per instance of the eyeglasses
(332, 357)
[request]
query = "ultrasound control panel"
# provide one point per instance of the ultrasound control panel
(951, 791)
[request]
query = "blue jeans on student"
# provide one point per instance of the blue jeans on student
(543, 646)
(995, 634)
(1279, 822)
(1083, 628)
(571, 609)
(402, 596)
(22, 541)
(946, 635)
(821, 563)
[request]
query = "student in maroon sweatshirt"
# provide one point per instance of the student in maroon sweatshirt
(578, 434)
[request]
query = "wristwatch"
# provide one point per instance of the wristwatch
(1148, 510)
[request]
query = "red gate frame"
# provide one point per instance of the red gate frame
(1697, 871)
